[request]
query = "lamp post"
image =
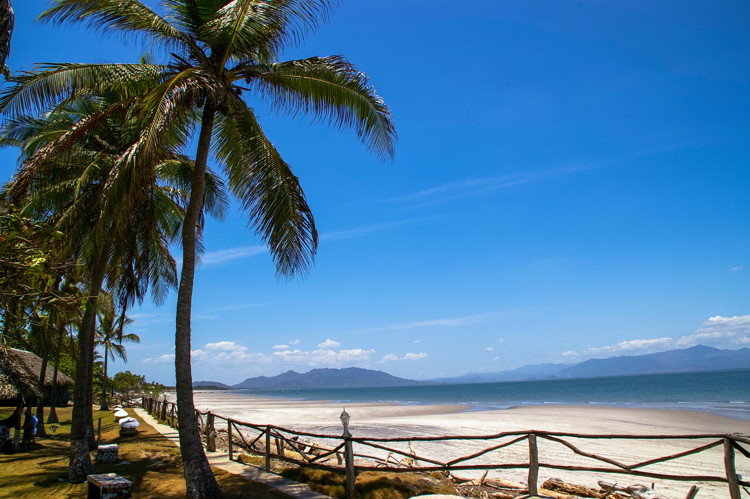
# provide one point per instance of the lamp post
(351, 476)
(345, 422)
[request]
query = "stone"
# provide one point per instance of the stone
(106, 453)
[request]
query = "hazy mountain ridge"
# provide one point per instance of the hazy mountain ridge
(693, 359)
(352, 377)
(697, 358)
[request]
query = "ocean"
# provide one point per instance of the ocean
(725, 392)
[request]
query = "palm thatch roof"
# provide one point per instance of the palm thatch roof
(16, 381)
(19, 374)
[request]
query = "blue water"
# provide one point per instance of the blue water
(726, 393)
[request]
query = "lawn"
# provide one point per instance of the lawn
(149, 460)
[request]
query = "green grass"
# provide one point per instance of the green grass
(153, 465)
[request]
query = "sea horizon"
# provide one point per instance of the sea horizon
(725, 393)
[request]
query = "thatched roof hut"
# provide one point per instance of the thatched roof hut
(19, 375)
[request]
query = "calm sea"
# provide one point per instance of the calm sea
(725, 392)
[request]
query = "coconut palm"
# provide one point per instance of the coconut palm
(119, 230)
(7, 20)
(217, 50)
(110, 335)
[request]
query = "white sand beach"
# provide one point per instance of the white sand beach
(393, 420)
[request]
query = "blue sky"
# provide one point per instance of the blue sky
(571, 181)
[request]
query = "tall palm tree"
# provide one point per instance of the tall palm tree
(110, 335)
(7, 20)
(83, 190)
(217, 50)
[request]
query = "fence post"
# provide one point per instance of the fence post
(534, 466)
(164, 409)
(693, 492)
(268, 448)
(210, 435)
(99, 432)
(229, 437)
(733, 481)
(351, 477)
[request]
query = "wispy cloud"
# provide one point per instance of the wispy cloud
(737, 268)
(280, 347)
(368, 229)
(230, 254)
(450, 322)
(481, 185)
(294, 342)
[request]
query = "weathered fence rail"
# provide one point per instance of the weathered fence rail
(289, 447)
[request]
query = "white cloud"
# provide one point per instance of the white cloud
(737, 268)
(294, 342)
(277, 347)
(489, 349)
(329, 343)
(324, 356)
(417, 342)
(227, 346)
(161, 359)
(409, 356)
(227, 255)
(718, 331)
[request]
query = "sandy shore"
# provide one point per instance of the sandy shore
(393, 420)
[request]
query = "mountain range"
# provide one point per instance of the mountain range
(697, 358)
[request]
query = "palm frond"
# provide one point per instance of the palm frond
(48, 84)
(329, 88)
(268, 190)
(128, 16)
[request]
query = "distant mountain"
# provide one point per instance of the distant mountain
(352, 377)
(536, 371)
(211, 384)
(697, 358)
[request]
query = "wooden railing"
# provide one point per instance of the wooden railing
(257, 439)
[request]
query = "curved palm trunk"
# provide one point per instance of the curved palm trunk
(103, 406)
(40, 432)
(80, 462)
(199, 478)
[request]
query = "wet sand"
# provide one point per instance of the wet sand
(394, 420)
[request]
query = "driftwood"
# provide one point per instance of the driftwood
(558, 485)
(636, 491)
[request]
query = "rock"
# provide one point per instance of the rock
(106, 453)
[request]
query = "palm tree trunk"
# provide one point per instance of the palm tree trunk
(199, 478)
(90, 437)
(103, 402)
(80, 462)
(40, 403)
(60, 345)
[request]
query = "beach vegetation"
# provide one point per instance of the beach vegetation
(373, 485)
(218, 50)
(153, 464)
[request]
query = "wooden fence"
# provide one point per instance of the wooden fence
(309, 450)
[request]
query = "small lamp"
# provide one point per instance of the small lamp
(345, 421)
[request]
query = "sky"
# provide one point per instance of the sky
(570, 181)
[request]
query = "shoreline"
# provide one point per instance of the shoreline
(735, 410)
(388, 419)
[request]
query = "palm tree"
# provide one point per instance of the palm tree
(218, 50)
(83, 191)
(7, 20)
(110, 335)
